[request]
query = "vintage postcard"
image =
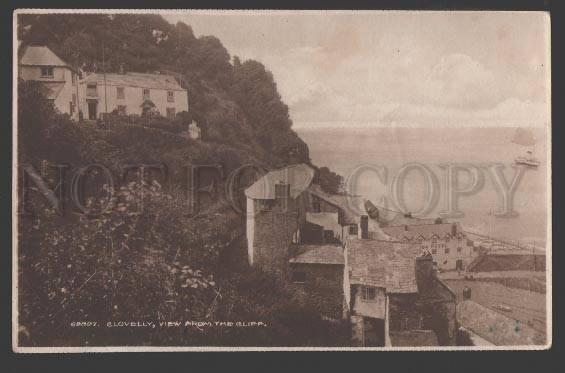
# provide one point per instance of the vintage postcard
(290, 180)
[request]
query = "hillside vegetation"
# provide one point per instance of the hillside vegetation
(165, 264)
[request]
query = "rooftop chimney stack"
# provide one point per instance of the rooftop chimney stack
(364, 227)
(425, 272)
(282, 194)
(122, 70)
(454, 229)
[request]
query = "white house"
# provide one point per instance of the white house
(447, 242)
(39, 63)
(131, 93)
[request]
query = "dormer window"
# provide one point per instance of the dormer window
(170, 96)
(47, 72)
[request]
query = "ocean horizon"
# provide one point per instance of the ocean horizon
(344, 149)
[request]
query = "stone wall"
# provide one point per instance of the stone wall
(323, 286)
(273, 233)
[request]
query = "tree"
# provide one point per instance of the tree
(329, 181)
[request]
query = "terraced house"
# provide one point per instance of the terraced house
(447, 242)
(131, 93)
(327, 248)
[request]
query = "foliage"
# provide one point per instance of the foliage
(237, 102)
(163, 264)
(329, 181)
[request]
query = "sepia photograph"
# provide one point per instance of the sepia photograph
(214, 180)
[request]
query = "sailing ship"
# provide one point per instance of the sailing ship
(526, 138)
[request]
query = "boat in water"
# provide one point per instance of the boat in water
(526, 138)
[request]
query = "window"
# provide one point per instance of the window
(171, 113)
(476, 249)
(459, 249)
(353, 230)
(47, 72)
(122, 109)
(368, 293)
(263, 205)
(146, 94)
(91, 90)
(299, 277)
(447, 250)
(170, 96)
(434, 251)
(73, 77)
(434, 240)
(121, 93)
(316, 206)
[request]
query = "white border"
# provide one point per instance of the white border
(18, 349)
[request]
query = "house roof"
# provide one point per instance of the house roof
(412, 338)
(40, 56)
(386, 264)
(131, 79)
(496, 327)
(427, 231)
(299, 177)
(351, 206)
(323, 219)
(401, 219)
(319, 254)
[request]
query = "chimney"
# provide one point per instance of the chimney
(122, 71)
(425, 273)
(405, 227)
(282, 193)
(364, 227)
(453, 229)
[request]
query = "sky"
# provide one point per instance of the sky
(383, 69)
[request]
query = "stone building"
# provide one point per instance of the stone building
(335, 255)
(394, 296)
(276, 210)
(449, 245)
(316, 271)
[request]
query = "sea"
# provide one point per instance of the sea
(359, 153)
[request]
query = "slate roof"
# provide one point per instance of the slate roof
(351, 206)
(319, 254)
(411, 338)
(299, 177)
(140, 80)
(496, 327)
(40, 56)
(401, 219)
(386, 264)
(414, 231)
